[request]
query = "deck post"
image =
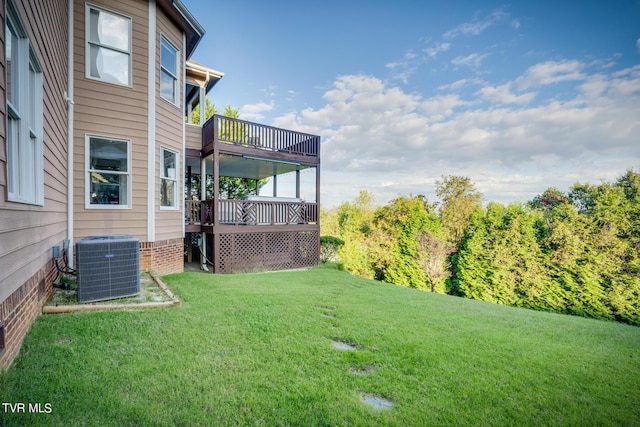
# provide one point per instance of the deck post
(189, 189)
(216, 251)
(275, 185)
(216, 187)
(202, 95)
(203, 196)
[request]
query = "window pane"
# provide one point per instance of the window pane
(168, 56)
(108, 155)
(13, 154)
(169, 162)
(33, 90)
(109, 65)
(167, 86)
(28, 179)
(94, 16)
(167, 192)
(108, 188)
(108, 29)
(12, 51)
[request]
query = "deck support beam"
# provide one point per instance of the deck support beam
(275, 185)
(203, 196)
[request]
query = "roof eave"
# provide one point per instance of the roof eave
(187, 22)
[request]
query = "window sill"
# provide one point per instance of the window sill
(107, 207)
(98, 80)
(168, 101)
(25, 202)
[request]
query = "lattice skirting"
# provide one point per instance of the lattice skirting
(262, 251)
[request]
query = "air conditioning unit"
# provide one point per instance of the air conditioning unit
(108, 267)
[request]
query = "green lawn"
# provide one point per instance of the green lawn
(257, 349)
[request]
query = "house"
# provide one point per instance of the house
(97, 137)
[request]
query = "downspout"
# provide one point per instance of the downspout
(69, 101)
(184, 127)
(151, 126)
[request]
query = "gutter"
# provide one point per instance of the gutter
(188, 16)
(192, 22)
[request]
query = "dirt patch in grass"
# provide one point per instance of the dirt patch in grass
(343, 345)
(376, 402)
(152, 292)
(362, 372)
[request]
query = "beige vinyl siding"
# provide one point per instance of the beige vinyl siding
(109, 110)
(28, 232)
(193, 137)
(169, 122)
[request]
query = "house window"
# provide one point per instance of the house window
(168, 71)
(25, 165)
(168, 179)
(108, 49)
(108, 172)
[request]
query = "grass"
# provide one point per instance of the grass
(257, 349)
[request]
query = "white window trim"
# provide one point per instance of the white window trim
(176, 77)
(176, 180)
(26, 172)
(87, 173)
(87, 45)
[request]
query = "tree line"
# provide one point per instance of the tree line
(575, 252)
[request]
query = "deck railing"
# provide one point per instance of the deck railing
(248, 134)
(250, 212)
(192, 212)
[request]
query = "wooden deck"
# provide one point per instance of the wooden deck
(269, 139)
(210, 213)
(259, 233)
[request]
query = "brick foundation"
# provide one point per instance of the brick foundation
(21, 308)
(163, 257)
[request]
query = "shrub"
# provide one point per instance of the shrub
(329, 248)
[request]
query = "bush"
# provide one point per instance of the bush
(329, 248)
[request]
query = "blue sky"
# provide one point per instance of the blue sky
(518, 96)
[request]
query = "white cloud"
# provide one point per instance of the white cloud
(269, 91)
(406, 58)
(291, 95)
(408, 65)
(442, 106)
(476, 26)
(638, 44)
(459, 84)
(551, 72)
(378, 137)
(439, 48)
(404, 67)
(503, 95)
(473, 60)
(253, 112)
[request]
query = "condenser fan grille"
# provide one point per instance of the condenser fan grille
(108, 267)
